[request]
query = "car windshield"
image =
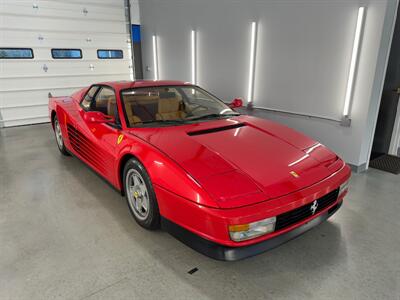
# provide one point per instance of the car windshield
(172, 105)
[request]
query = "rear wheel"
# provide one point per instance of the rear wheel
(59, 137)
(140, 195)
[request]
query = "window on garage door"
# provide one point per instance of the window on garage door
(15, 53)
(109, 54)
(66, 53)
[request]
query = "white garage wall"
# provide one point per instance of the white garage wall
(303, 56)
(135, 12)
(45, 24)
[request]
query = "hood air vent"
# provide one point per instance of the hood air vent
(211, 130)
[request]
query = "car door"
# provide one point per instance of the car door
(97, 142)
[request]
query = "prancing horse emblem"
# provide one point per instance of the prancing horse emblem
(314, 207)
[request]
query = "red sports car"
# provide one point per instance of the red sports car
(226, 184)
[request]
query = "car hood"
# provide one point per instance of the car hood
(243, 160)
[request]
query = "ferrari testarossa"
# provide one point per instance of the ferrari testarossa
(226, 184)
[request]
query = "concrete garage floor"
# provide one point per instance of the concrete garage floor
(64, 233)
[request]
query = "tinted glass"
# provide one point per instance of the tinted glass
(179, 104)
(109, 54)
(66, 53)
(105, 102)
(16, 53)
(88, 98)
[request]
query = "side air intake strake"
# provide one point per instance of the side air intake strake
(87, 149)
(211, 130)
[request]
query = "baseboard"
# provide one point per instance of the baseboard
(358, 169)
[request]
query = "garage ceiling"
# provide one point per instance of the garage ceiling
(42, 25)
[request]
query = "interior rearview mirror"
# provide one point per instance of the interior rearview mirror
(237, 102)
(98, 117)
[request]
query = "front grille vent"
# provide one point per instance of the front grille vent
(294, 216)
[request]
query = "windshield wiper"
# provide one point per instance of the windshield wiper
(210, 116)
(160, 121)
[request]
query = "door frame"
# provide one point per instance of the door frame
(390, 28)
(395, 140)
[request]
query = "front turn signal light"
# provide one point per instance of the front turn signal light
(249, 231)
(344, 187)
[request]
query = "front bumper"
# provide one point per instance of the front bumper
(221, 252)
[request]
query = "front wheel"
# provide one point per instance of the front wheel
(140, 195)
(59, 137)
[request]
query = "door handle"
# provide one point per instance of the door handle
(397, 91)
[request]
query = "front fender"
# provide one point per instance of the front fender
(163, 172)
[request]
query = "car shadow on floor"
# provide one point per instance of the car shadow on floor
(280, 271)
(274, 273)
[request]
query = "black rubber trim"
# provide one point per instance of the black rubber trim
(221, 252)
(211, 130)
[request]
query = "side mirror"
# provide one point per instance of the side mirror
(97, 117)
(237, 102)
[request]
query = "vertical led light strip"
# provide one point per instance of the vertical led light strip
(155, 57)
(252, 61)
(353, 63)
(131, 74)
(194, 57)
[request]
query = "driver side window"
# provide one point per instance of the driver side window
(89, 97)
(105, 102)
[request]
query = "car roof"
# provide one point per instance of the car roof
(121, 85)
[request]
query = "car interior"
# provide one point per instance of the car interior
(106, 103)
(166, 105)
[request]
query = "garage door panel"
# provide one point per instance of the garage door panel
(52, 38)
(16, 99)
(96, 6)
(11, 84)
(63, 68)
(39, 40)
(45, 41)
(97, 3)
(60, 10)
(24, 116)
(30, 107)
(40, 88)
(25, 121)
(22, 112)
(38, 23)
(61, 14)
(88, 25)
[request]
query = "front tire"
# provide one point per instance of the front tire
(140, 195)
(59, 137)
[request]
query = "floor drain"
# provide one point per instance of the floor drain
(194, 270)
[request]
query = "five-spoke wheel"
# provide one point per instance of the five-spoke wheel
(140, 195)
(59, 136)
(137, 194)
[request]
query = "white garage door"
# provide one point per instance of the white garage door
(43, 25)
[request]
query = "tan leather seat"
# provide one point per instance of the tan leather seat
(170, 109)
(111, 106)
(133, 119)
